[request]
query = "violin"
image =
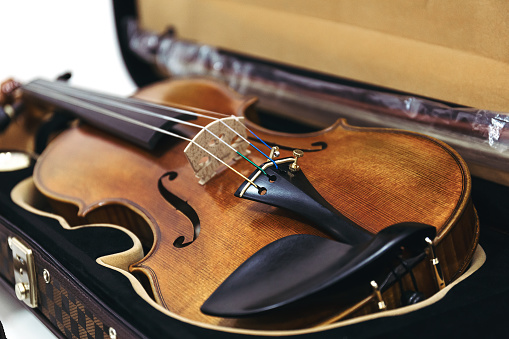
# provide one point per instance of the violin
(182, 167)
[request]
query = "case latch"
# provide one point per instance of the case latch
(24, 272)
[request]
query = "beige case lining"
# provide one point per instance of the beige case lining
(454, 51)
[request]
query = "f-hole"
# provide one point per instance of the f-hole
(181, 206)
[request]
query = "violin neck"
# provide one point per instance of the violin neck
(118, 116)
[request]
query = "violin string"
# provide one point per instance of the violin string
(263, 142)
(115, 115)
(116, 103)
(187, 111)
(134, 109)
(244, 139)
(177, 108)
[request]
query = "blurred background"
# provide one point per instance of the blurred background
(47, 38)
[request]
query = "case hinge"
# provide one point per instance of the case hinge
(24, 272)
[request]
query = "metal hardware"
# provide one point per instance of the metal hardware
(435, 264)
(274, 152)
(378, 295)
(296, 154)
(264, 167)
(22, 291)
(112, 333)
(46, 276)
(24, 272)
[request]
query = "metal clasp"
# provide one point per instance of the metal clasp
(24, 272)
(382, 306)
(435, 264)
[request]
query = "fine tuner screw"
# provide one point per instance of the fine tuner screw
(274, 152)
(297, 153)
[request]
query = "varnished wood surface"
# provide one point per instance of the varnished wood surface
(375, 177)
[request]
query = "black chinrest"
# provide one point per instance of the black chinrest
(295, 268)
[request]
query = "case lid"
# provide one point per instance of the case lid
(454, 51)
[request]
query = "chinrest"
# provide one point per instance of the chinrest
(293, 269)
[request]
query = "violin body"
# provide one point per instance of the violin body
(375, 177)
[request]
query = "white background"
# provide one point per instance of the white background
(49, 37)
(45, 38)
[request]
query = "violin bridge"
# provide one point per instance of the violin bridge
(205, 165)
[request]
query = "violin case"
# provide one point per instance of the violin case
(450, 52)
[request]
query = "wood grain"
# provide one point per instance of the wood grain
(375, 177)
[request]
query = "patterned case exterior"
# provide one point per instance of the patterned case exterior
(65, 307)
(68, 313)
(6, 263)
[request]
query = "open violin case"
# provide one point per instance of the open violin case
(437, 68)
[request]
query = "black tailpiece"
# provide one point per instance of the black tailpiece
(293, 191)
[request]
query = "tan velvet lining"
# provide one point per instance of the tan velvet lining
(449, 50)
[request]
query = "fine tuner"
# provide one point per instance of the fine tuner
(296, 154)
